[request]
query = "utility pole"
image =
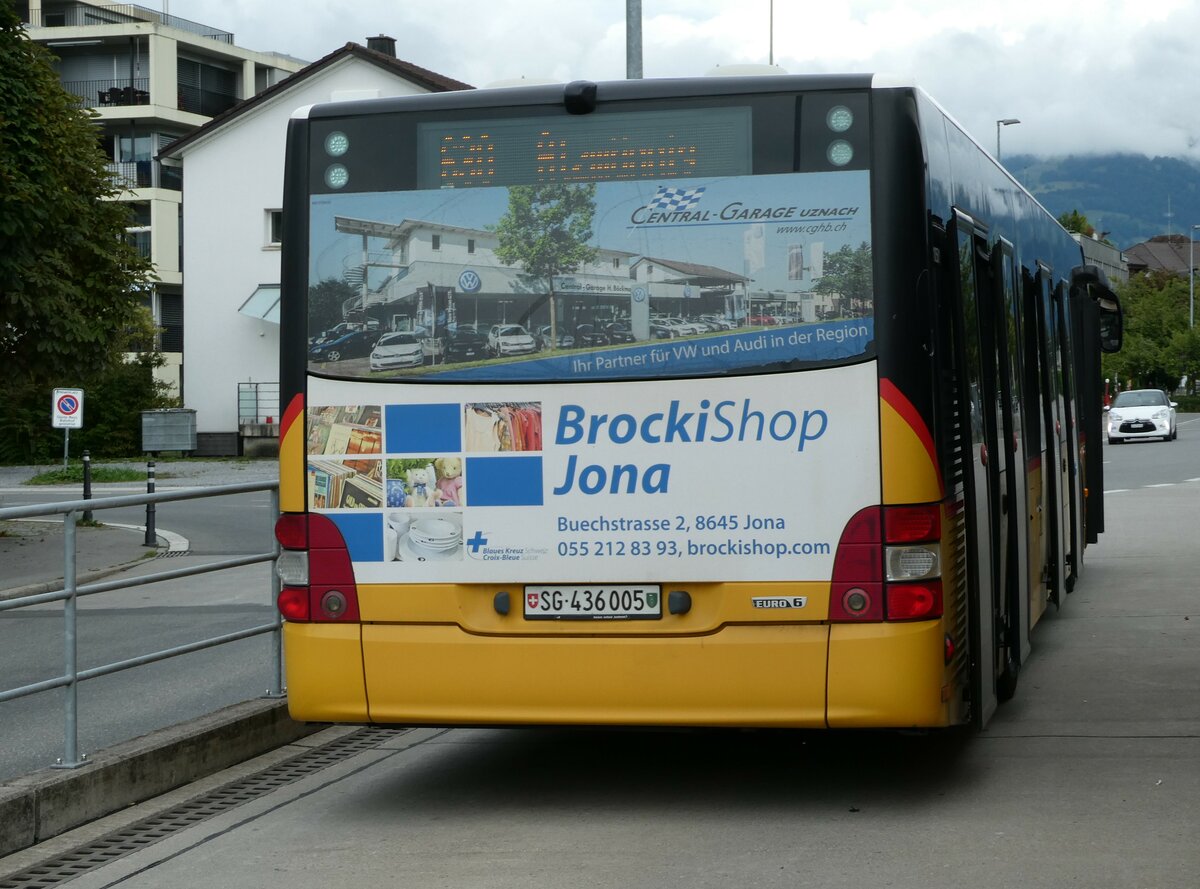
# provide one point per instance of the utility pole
(633, 39)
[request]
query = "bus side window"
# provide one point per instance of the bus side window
(1030, 365)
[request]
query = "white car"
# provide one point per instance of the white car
(1141, 413)
(397, 350)
(510, 339)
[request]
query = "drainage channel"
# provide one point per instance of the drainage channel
(154, 828)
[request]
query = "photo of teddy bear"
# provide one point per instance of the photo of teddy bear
(422, 489)
(449, 484)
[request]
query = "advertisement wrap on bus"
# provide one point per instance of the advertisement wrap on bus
(623, 483)
(753, 402)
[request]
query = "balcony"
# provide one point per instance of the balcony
(110, 93)
(140, 238)
(146, 174)
(74, 15)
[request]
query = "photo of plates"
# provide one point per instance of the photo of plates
(429, 540)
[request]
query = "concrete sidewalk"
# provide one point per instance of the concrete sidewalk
(33, 557)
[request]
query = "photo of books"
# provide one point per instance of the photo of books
(345, 484)
(352, 429)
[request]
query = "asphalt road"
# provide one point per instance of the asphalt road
(129, 623)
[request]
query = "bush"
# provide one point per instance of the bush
(112, 414)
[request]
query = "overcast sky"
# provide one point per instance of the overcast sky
(1107, 75)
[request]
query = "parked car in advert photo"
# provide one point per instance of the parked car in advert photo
(465, 344)
(350, 345)
(1141, 413)
(619, 332)
(510, 339)
(397, 350)
(565, 340)
(589, 335)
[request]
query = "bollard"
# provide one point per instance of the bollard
(151, 536)
(87, 484)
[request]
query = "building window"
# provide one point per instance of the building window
(274, 228)
(470, 245)
(170, 319)
(616, 262)
(436, 242)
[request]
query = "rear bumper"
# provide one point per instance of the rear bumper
(797, 675)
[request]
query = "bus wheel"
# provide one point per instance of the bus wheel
(1006, 683)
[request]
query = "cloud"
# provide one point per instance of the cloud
(1113, 75)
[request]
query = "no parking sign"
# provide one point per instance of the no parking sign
(67, 409)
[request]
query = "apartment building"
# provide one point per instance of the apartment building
(152, 79)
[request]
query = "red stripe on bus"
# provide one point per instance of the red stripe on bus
(909, 414)
(294, 409)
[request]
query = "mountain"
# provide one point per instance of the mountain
(1128, 196)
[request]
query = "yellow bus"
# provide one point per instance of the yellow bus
(715, 402)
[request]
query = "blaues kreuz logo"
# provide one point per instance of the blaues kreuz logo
(669, 199)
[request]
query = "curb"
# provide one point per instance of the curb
(36, 807)
(59, 584)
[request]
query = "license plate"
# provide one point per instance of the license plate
(593, 602)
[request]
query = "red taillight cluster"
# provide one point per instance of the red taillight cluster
(860, 589)
(331, 594)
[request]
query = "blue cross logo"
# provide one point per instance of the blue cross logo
(477, 541)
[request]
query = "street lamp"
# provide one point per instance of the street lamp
(1004, 122)
(1192, 277)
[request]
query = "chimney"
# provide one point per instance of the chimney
(383, 44)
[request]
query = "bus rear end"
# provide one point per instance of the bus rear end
(585, 419)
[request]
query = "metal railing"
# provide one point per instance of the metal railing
(110, 93)
(258, 403)
(79, 14)
(71, 676)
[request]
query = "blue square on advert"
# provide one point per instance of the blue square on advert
(424, 429)
(363, 533)
(504, 481)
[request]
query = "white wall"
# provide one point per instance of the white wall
(230, 179)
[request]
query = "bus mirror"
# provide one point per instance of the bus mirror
(1111, 328)
(1092, 281)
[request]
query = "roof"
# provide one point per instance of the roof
(423, 77)
(1169, 253)
(694, 270)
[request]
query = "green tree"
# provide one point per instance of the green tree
(1156, 345)
(1076, 222)
(546, 230)
(325, 301)
(847, 277)
(70, 306)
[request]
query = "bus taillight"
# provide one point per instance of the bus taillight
(914, 601)
(315, 569)
(888, 565)
(856, 590)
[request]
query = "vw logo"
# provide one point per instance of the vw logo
(639, 294)
(469, 282)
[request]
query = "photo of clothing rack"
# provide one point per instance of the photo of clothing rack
(491, 427)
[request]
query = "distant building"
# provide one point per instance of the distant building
(151, 78)
(1100, 253)
(1162, 253)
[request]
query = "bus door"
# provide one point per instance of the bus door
(986, 460)
(1072, 483)
(1053, 465)
(1013, 492)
